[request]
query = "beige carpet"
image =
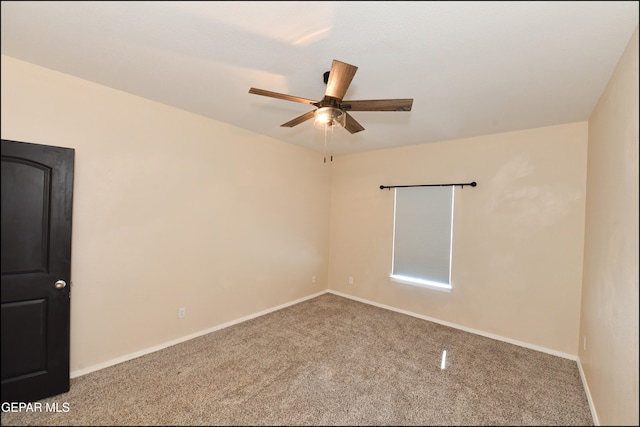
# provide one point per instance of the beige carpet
(328, 361)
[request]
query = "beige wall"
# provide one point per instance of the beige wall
(518, 235)
(610, 292)
(170, 210)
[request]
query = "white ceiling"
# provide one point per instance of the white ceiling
(473, 68)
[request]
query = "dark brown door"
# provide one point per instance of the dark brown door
(37, 190)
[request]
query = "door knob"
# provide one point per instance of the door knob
(60, 284)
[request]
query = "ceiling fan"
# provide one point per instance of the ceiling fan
(332, 110)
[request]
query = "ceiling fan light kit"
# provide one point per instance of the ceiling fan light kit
(329, 117)
(331, 110)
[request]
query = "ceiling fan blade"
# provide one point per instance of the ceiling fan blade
(340, 78)
(282, 96)
(352, 124)
(379, 105)
(299, 119)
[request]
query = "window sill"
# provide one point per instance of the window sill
(421, 283)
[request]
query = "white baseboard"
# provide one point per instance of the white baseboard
(97, 367)
(463, 328)
(594, 414)
(93, 368)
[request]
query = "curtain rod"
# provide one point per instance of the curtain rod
(472, 184)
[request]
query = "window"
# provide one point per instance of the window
(422, 235)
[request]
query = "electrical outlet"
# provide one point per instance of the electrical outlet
(182, 312)
(313, 279)
(350, 280)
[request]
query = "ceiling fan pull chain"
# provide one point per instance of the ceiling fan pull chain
(331, 145)
(325, 144)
